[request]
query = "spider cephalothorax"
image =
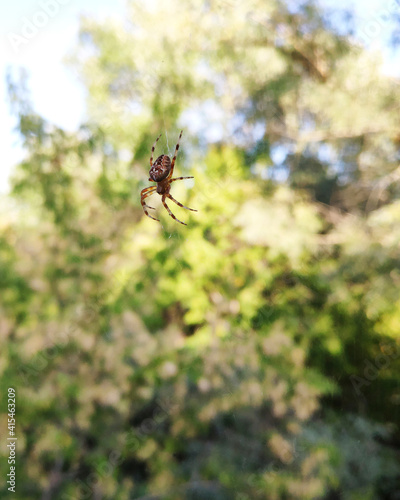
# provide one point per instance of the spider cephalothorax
(161, 172)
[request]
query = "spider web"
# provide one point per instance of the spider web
(166, 133)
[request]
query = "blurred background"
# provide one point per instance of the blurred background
(255, 352)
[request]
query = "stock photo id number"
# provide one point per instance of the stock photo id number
(11, 439)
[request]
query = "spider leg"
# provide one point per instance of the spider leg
(179, 178)
(175, 155)
(152, 150)
(146, 192)
(180, 204)
(143, 195)
(169, 211)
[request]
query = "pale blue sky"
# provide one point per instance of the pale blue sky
(50, 81)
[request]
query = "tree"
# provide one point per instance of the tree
(159, 361)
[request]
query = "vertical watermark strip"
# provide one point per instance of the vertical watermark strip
(11, 439)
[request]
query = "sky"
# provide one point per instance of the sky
(38, 34)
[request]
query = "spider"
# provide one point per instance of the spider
(161, 172)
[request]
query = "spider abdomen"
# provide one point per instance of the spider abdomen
(160, 168)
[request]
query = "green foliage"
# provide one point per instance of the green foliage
(250, 354)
